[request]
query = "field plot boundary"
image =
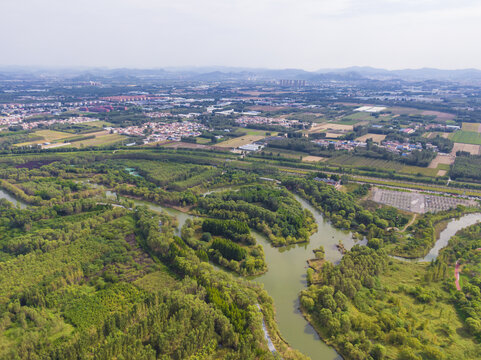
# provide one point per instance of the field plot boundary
(241, 140)
(466, 137)
(470, 148)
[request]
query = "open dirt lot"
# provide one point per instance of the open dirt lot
(330, 126)
(331, 135)
(441, 159)
(312, 158)
(375, 137)
(472, 149)
(241, 140)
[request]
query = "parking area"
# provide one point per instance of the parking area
(416, 202)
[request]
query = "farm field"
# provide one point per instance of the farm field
(360, 115)
(330, 126)
(473, 127)
(256, 132)
(399, 110)
(290, 154)
(413, 170)
(99, 123)
(375, 137)
(202, 140)
(346, 121)
(431, 135)
(466, 137)
(359, 161)
(241, 140)
(48, 136)
(312, 158)
(333, 135)
(441, 160)
(101, 139)
(470, 148)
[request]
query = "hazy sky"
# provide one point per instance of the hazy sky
(309, 34)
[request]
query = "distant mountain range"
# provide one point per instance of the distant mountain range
(220, 73)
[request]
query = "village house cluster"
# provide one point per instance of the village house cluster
(393, 146)
(261, 120)
(72, 120)
(155, 132)
(17, 120)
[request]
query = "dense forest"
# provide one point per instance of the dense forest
(270, 210)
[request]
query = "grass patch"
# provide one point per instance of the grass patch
(156, 281)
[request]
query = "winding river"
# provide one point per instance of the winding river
(286, 277)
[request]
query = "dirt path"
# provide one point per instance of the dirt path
(410, 222)
(457, 269)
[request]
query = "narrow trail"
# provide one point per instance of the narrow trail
(410, 222)
(456, 275)
(457, 270)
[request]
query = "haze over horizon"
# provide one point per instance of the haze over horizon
(305, 34)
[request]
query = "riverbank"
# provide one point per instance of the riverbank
(279, 343)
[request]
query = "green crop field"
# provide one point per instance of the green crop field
(100, 140)
(202, 140)
(48, 136)
(360, 161)
(474, 127)
(466, 137)
(99, 123)
(358, 116)
(346, 121)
